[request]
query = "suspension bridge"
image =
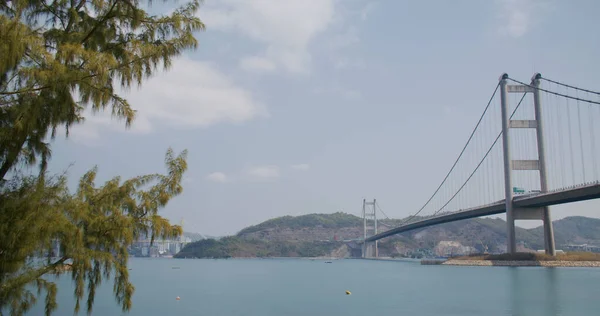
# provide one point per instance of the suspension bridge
(535, 145)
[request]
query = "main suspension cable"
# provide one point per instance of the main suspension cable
(459, 156)
(569, 86)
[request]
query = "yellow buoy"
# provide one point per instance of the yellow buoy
(178, 298)
(348, 292)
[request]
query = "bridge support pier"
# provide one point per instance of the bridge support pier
(542, 213)
(369, 250)
(549, 245)
(511, 246)
(539, 213)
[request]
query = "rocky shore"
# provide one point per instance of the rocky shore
(509, 263)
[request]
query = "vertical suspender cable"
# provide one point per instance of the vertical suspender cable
(593, 139)
(570, 140)
(457, 159)
(488, 179)
(580, 137)
(553, 141)
(561, 138)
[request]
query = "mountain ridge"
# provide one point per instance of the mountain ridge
(336, 235)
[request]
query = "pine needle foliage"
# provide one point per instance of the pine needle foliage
(58, 57)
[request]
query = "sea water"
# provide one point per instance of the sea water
(282, 287)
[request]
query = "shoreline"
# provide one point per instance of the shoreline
(522, 263)
(257, 258)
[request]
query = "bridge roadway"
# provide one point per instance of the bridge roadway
(567, 195)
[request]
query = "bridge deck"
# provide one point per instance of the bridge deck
(569, 195)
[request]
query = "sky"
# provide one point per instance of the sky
(309, 106)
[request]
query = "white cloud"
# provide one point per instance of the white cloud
(518, 23)
(517, 16)
(348, 63)
(217, 177)
(345, 35)
(90, 132)
(340, 45)
(190, 94)
(338, 90)
(366, 10)
(195, 94)
(257, 64)
(286, 27)
(264, 172)
(345, 39)
(301, 166)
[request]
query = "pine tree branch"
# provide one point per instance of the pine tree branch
(84, 77)
(14, 75)
(4, 6)
(49, 8)
(100, 22)
(77, 8)
(12, 157)
(77, 80)
(25, 90)
(80, 5)
(26, 278)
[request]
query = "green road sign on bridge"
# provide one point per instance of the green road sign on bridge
(518, 190)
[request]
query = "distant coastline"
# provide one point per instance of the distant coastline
(571, 259)
(337, 235)
(523, 263)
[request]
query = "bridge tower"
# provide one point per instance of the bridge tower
(538, 213)
(369, 212)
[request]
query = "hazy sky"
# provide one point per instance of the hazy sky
(303, 106)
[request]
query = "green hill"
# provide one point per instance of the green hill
(236, 247)
(574, 230)
(311, 235)
(334, 235)
(335, 220)
(197, 236)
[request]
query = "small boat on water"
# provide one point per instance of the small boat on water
(328, 262)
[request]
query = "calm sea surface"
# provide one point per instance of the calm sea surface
(305, 287)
